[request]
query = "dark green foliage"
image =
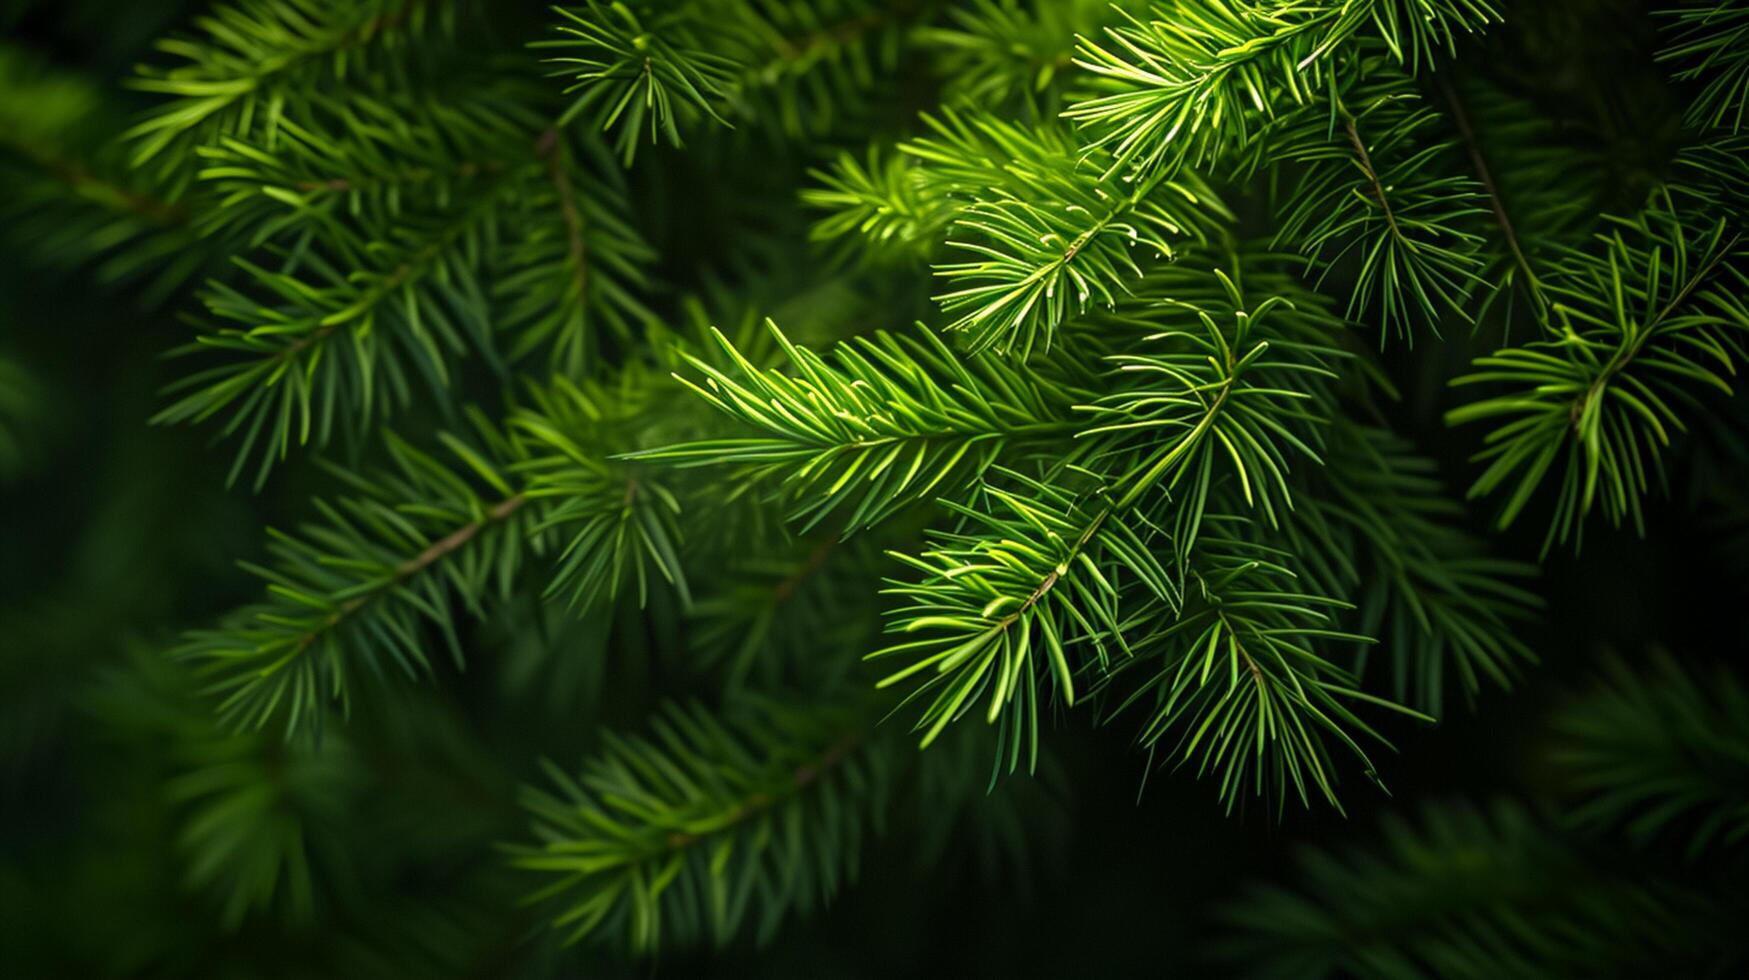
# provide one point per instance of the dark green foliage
(1426, 585)
(1238, 686)
(1195, 79)
(1001, 599)
(254, 56)
(1707, 43)
(859, 431)
(1468, 893)
(352, 594)
(251, 809)
(1660, 752)
(1641, 325)
(1510, 893)
(708, 825)
(19, 398)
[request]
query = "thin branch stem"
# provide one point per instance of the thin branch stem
(1461, 119)
(433, 553)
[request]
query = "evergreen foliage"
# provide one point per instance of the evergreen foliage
(813, 414)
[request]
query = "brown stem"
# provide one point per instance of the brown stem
(1462, 120)
(1049, 581)
(425, 559)
(1244, 654)
(552, 149)
(1372, 175)
(81, 180)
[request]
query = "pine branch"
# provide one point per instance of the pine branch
(252, 814)
(1715, 172)
(1193, 82)
(433, 241)
(556, 261)
(1074, 576)
(764, 621)
(573, 284)
(886, 422)
(886, 208)
(1004, 600)
(639, 71)
(257, 52)
(1198, 393)
(791, 68)
(349, 596)
(1642, 320)
(623, 525)
(352, 166)
(1044, 237)
(1709, 40)
(70, 201)
(1402, 217)
(357, 593)
(1011, 52)
(343, 341)
(1521, 267)
(1545, 192)
(707, 827)
(1234, 680)
(803, 66)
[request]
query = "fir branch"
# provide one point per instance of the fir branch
(354, 593)
(1509, 235)
(1404, 218)
(764, 621)
(1234, 680)
(635, 70)
(1193, 82)
(571, 274)
(1044, 237)
(252, 815)
(352, 167)
(345, 340)
(1034, 574)
(1545, 193)
(623, 525)
(1643, 318)
(884, 423)
(804, 67)
(707, 826)
(884, 208)
(258, 51)
(347, 596)
(1197, 391)
(1709, 40)
(1009, 52)
(70, 201)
